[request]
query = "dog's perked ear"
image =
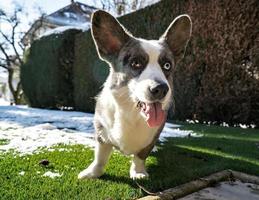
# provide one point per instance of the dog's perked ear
(109, 35)
(177, 35)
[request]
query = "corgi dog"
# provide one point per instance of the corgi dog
(132, 107)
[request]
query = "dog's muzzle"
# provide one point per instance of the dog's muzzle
(152, 109)
(158, 91)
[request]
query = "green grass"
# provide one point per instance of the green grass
(178, 161)
(3, 141)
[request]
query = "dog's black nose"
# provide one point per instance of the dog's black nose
(159, 91)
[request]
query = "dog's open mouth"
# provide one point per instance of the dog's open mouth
(155, 115)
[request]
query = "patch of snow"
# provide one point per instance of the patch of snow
(4, 102)
(190, 121)
(51, 174)
(170, 125)
(224, 124)
(83, 7)
(244, 126)
(22, 173)
(169, 131)
(148, 3)
(155, 149)
(67, 14)
(59, 30)
(129, 9)
(28, 130)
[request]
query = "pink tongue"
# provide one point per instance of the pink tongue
(155, 114)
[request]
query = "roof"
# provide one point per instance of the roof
(74, 14)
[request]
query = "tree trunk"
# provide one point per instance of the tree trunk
(16, 93)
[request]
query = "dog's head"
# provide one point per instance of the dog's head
(144, 67)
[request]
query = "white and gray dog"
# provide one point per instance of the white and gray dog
(132, 107)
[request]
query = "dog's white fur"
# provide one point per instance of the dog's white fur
(123, 125)
(152, 72)
(120, 127)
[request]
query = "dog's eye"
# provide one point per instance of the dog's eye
(136, 64)
(167, 66)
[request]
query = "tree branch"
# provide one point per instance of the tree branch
(13, 58)
(3, 66)
(18, 88)
(21, 46)
(10, 81)
(5, 37)
(4, 52)
(13, 43)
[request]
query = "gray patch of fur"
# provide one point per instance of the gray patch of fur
(122, 71)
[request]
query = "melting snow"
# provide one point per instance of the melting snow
(22, 173)
(4, 102)
(172, 130)
(59, 30)
(27, 130)
(51, 174)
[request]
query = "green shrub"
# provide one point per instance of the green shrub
(89, 73)
(47, 74)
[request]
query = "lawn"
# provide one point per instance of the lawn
(178, 160)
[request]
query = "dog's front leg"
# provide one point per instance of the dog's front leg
(96, 168)
(137, 169)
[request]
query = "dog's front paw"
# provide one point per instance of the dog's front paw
(138, 175)
(93, 171)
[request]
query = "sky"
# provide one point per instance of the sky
(31, 11)
(48, 6)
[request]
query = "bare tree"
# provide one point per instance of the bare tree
(120, 6)
(138, 4)
(11, 50)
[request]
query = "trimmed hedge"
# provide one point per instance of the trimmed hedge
(47, 75)
(218, 80)
(90, 73)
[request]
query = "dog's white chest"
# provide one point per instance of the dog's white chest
(124, 126)
(131, 133)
